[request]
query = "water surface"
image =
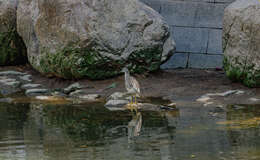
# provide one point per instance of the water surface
(31, 131)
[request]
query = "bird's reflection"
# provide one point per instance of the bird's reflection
(134, 126)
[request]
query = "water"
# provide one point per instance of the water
(30, 131)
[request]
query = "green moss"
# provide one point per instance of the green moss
(146, 60)
(12, 49)
(244, 73)
(74, 62)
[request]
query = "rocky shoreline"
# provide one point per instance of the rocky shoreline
(164, 90)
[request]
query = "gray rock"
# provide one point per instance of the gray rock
(58, 94)
(13, 84)
(116, 103)
(12, 48)
(36, 91)
(8, 85)
(6, 80)
(26, 78)
(89, 97)
(119, 96)
(72, 87)
(8, 73)
(10, 82)
(77, 93)
(95, 39)
(241, 41)
(30, 86)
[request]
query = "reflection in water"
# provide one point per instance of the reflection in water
(54, 132)
(134, 126)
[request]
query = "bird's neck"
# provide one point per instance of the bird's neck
(127, 76)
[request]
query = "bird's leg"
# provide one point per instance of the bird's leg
(131, 104)
(136, 108)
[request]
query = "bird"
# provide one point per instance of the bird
(132, 86)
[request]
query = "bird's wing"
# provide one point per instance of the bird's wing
(135, 84)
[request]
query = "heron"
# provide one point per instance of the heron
(132, 86)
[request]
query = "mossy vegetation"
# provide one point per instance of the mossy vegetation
(145, 60)
(244, 73)
(12, 48)
(74, 62)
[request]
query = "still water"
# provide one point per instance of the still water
(34, 131)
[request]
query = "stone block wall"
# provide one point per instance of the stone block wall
(196, 26)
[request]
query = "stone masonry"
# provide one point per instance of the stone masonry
(196, 26)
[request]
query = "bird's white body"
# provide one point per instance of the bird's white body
(131, 84)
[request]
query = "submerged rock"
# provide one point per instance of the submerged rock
(119, 95)
(12, 48)
(241, 32)
(94, 39)
(116, 103)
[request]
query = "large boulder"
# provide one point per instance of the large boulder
(12, 48)
(92, 38)
(241, 42)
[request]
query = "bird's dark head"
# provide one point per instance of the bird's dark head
(125, 70)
